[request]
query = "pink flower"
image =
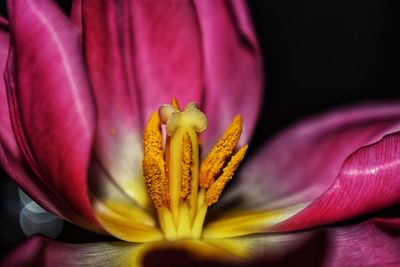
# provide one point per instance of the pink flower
(78, 91)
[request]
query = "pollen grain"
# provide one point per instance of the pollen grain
(186, 165)
(215, 160)
(153, 162)
(215, 190)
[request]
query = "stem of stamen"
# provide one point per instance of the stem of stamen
(184, 223)
(175, 172)
(198, 222)
(167, 224)
(194, 181)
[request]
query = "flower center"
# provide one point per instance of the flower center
(179, 186)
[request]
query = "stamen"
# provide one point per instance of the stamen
(186, 165)
(224, 148)
(215, 190)
(180, 188)
(153, 162)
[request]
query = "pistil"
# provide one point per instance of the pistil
(181, 190)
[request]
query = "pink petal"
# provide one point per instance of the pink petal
(168, 58)
(49, 99)
(302, 163)
(140, 56)
(11, 159)
(372, 243)
(367, 182)
(232, 65)
(76, 13)
(109, 53)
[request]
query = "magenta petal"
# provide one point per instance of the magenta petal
(107, 39)
(49, 99)
(168, 57)
(76, 13)
(372, 243)
(232, 65)
(304, 161)
(11, 159)
(140, 55)
(27, 254)
(13, 162)
(367, 182)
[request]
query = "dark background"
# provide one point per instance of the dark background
(318, 55)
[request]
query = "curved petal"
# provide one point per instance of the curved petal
(300, 164)
(76, 14)
(232, 64)
(372, 243)
(367, 182)
(49, 99)
(140, 55)
(11, 159)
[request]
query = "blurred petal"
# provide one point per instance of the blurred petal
(232, 64)
(40, 251)
(168, 55)
(76, 13)
(372, 243)
(126, 222)
(302, 163)
(49, 99)
(109, 54)
(241, 224)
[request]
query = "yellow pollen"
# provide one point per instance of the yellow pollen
(175, 181)
(215, 160)
(215, 190)
(153, 162)
(186, 166)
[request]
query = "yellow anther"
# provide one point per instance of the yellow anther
(186, 166)
(215, 190)
(215, 160)
(153, 162)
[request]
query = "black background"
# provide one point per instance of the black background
(318, 55)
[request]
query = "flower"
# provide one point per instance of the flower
(80, 89)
